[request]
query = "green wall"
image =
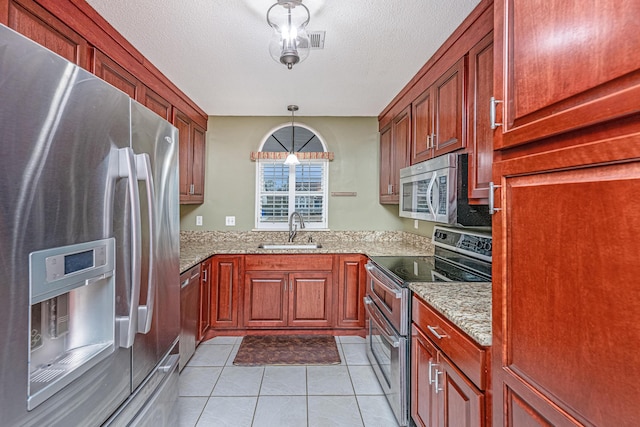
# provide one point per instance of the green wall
(230, 174)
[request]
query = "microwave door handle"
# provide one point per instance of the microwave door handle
(429, 190)
(127, 325)
(145, 312)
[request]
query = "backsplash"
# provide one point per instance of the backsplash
(303, 237)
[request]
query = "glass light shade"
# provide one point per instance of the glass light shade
(292, 159)
(290, 42)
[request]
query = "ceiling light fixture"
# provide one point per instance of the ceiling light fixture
(290, 42)
(292, 159)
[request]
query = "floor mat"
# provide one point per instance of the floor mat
(287, 350)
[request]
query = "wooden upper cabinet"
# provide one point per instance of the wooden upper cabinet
(422, 114)
(155, 103)
(386, 165)
(395, 148)
(438, 116)
(448, 110)
(114, 74)
(479, 132)
(31, 20)
(192, 158)
(563, 65)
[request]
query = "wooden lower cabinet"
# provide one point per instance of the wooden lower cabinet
(205, 298)
(225, 291)
(298, 300)
(351, 286)
(441, 394)
(566, 334)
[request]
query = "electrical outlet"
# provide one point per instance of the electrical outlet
(415, 224)
(199, 220)
(230, 221)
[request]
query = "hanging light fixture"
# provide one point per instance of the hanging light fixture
(290, 42)
(292, 159)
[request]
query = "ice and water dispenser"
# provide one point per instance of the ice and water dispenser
(72, 315)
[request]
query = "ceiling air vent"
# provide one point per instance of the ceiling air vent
(317, 39)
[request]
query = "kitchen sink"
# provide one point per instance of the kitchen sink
(289, 246)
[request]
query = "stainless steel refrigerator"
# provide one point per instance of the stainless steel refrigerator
(89, 248)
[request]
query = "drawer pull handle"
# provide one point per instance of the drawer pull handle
(435, 333)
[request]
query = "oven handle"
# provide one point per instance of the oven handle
(381, 323)
(370, 268)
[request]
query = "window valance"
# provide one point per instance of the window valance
(282, 155)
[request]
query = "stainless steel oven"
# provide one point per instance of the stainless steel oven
(461, 256)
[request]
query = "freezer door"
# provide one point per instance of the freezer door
(60, 128)
(155, 143)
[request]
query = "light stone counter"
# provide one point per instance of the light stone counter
(466, 305)
(196, 246)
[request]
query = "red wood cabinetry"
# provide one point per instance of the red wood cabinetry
(192, 158)
(204, 313)
(293, 291)
(448, 373)
(351, 284)
(395, 145)
(112, 73)
(30, 19)
(74, 30)
(225, 291)
(564, 65)
(565, 294)
(438, 116)
(479, 132)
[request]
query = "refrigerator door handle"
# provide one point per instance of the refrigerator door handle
(145, 312)
(127, 325)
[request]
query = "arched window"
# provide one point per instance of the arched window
(282, 189)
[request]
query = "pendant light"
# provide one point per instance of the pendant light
(292, 159)
(290, 42)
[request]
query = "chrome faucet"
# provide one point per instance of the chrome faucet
(293, 228)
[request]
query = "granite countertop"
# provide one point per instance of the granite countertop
(466, 305)
(195, 247)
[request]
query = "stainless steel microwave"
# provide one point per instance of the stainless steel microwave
(436, 190)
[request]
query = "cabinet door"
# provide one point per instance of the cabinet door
(423, 134)
(31, 20)
(112, 73)
(462, 404)
(563, 65)
(198, 163)
(225, 292)
(424, 408)
(155, 103)
(184, 125)
(352, 283)
(265, 299)
(400, 145)
(386, 162)
(448, 110)
(310, 299)
(205, 298)
(566, 333)
(480, 135)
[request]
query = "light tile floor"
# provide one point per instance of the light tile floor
(215, 393)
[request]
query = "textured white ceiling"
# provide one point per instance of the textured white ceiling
(216, 51)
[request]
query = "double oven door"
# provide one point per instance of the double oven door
(388, 308)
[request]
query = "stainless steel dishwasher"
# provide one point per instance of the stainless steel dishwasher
(189, 292)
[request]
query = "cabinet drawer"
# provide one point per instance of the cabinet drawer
(294, 262)
(468, 356)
